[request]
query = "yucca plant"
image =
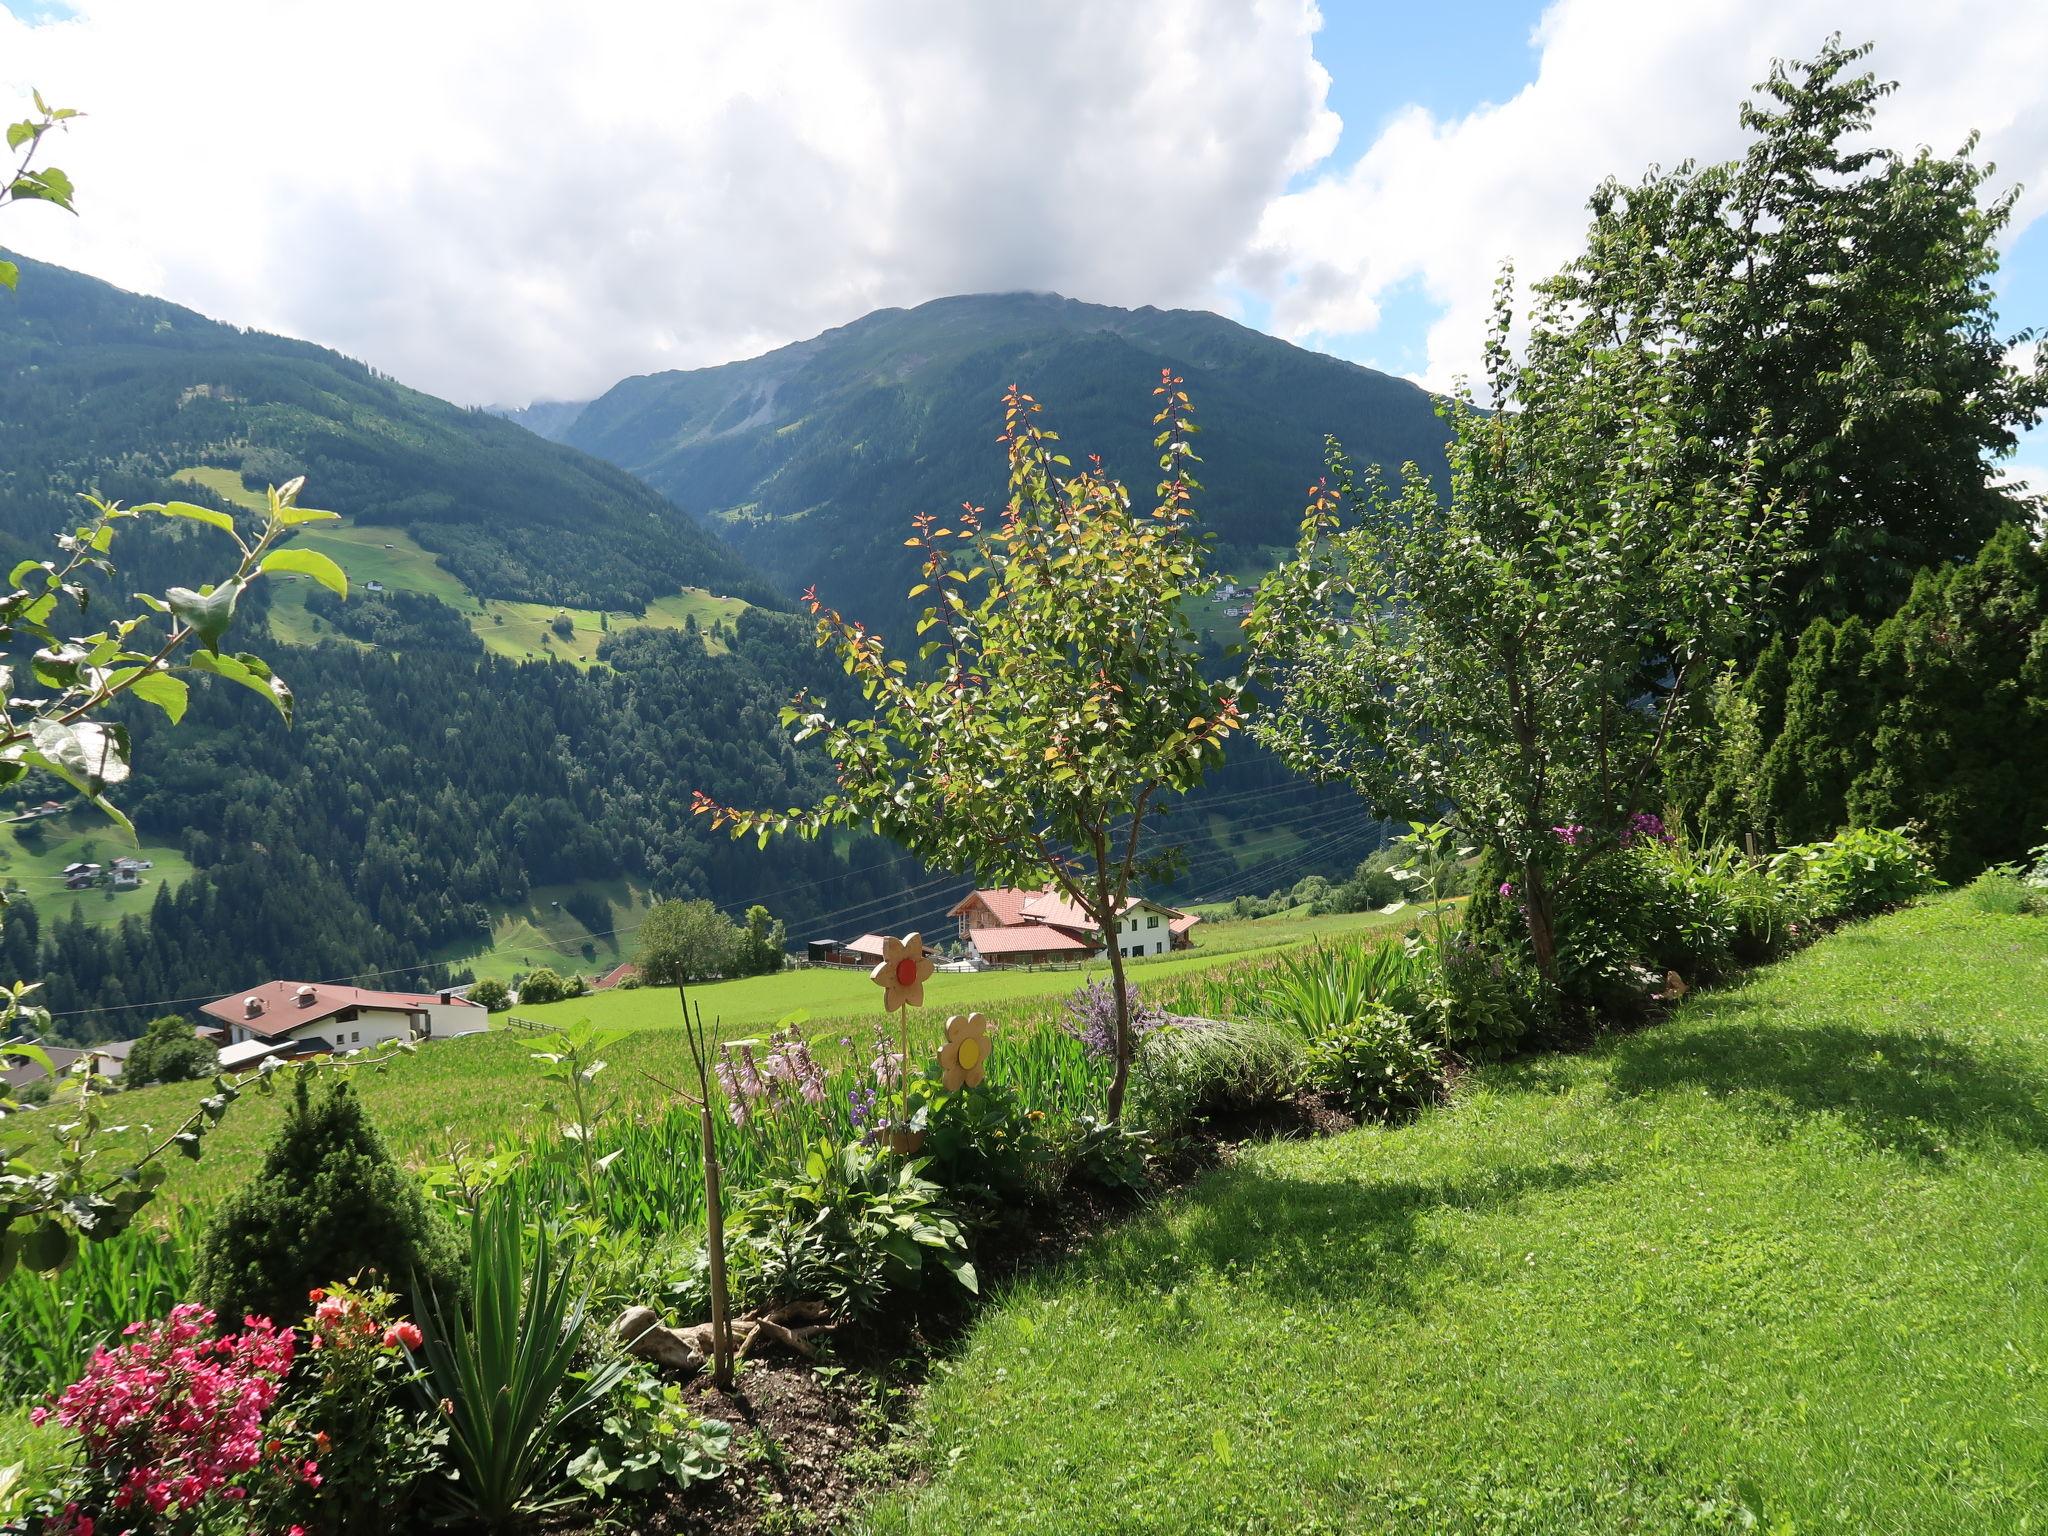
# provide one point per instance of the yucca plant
(504, 1367)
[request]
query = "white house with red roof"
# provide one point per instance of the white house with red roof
(301, 1017)
(1010, 926)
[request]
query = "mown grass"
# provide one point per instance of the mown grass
(756, 1001)
(1776, 1264)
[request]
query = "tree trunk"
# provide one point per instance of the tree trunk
(1108, 921)
(714, 1248)
(1536, 902)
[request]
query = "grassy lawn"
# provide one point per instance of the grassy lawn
(1775, 1265)
(541, 931)
(758, 1001)
(34, 855)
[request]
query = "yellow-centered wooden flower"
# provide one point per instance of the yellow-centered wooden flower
(964, 1061)
(903, 972)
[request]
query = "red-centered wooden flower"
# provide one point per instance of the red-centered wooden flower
(903, 972)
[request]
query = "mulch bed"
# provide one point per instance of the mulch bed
(810, 1444)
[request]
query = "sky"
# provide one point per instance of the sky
(513, 201)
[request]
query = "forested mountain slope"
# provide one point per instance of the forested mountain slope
(108, 390)
(812, 459)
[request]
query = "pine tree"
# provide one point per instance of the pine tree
(329, 1204)
(1962, 735)
(1830, 717)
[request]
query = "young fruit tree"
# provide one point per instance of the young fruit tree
(1058, 703)
(1517, 657)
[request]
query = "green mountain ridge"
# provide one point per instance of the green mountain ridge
(101, 388)
(811, 459)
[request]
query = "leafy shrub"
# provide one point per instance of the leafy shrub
(980, 1144)
(1859, 873)
(2005, 891)
(1484, 997)
(491, 994)
(169, 1052)
(1191, 1070)
(328, 1204)
(1703, 912)
(544, 985)
(847, 1228)
(1107, 1154)
(170, 1426)
(348, 1407)
(1377, 1064)
(506, 1367)
(646, 1437)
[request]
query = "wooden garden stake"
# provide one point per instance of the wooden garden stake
(714, 1212)
(904, 970)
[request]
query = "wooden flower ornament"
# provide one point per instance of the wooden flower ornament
(903, 972)
(964, 1061)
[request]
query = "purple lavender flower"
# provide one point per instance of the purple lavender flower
(1507, 888)
(1091, 1017)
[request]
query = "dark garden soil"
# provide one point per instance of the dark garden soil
(811, 1440)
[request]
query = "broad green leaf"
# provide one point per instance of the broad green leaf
(10, 274)
(84, 752)
(166, 692)
(208, 614)
(197, 514)
(309, 562)
(293, 516)
(252, 672)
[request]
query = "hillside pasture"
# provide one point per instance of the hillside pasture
(33, 855)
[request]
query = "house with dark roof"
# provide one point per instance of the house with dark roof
(308, 1017)
(1005, 925)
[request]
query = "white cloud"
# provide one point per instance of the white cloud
(1620, 85)
(494, 201)
(498, 201)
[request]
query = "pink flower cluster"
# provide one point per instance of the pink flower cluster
(175, 1415)
(1643, 826)
(786, 1073)
(342, 1319)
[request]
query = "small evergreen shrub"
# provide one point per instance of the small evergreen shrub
(1377, 1064)
(329, 1204)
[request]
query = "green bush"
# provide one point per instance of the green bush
(850, 1226)
(544, 985)
(491, 994)
(1327, 988)
(1192, 1070)
(1377, 1064)
(1484, 997)
(1858, 873)
(646, 1437)
(2005, 891)
(328, 1204)
(169, 1052)
(981, 1145)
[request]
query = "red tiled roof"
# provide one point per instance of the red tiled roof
(866, 944)
(282, 1012)
(1183, 922)
(615, 975)
(1025, 938)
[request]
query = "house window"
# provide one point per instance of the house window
(356, 1038)
(1151, 922)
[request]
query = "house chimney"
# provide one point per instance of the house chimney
(447, 996)
(251, 1006)
(305, 996)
